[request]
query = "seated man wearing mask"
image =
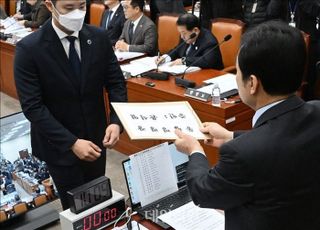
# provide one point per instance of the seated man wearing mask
(60, 72)
(198, 48)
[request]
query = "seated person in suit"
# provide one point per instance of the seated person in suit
(139, 33)
(198, 50)
(39, 14)
(267, 177)
(3, 13)
(113, 20)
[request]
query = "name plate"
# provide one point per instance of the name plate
(193, 93)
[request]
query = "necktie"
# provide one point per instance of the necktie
(189, 49)
(130, 32)
(74, 59)
(109, 18)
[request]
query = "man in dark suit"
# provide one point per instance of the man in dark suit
(165, 6)
(139, 33)
(197, 51)
(113, 20)
(268, 177)
(60, 72)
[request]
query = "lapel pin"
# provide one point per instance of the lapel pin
(89, 42)
(196, 47)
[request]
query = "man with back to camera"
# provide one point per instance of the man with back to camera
(139, 33)
(113, 20)
(197, 51)
(60, 72)
(268, 177)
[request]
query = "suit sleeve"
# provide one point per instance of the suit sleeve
(122, 36)
(30, 94)
(42, 16)
(224, 186)
(177, 51)
(114, 81)
(150, 41)
(210, 58)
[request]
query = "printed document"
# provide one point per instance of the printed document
(158, 120)
(190, 217)
(226, 82)
(142, 65)
(154, 178)
(122, 56)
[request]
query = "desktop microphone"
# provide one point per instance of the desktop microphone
(156, 75)
(191, 84)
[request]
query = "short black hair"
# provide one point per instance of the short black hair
(275, 53)
(137, 3)
(190, 21)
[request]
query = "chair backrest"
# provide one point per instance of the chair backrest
(96, 12)
(3, 216)
(221, 27)
(20, 208)
(168, 35)
(40, 200)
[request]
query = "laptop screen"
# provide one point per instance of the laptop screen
(179, 160)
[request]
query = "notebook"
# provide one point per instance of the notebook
(151, 210)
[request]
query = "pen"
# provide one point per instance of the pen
(158, 63)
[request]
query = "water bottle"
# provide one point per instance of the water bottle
(216, 95)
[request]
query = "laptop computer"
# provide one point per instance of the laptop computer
(164, 204)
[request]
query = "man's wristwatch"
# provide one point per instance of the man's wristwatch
(184, 60)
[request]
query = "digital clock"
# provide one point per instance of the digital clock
(89, 194)
(97, 217)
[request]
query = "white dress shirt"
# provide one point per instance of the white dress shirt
(64, 41)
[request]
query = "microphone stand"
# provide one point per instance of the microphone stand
(191, 84)
(156, 75)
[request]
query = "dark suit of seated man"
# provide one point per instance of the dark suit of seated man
(113, 20)
(197, 51)
(139, 33)
(268, 177)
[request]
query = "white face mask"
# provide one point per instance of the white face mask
(73, 20)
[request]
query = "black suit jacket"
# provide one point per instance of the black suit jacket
(203, 45)
(269, 177)
(116, 25)
(59, 110)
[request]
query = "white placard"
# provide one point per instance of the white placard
(158, 120)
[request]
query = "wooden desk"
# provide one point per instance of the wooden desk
(232, 116)
(7, 84)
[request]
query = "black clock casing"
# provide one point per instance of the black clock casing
(89, 194)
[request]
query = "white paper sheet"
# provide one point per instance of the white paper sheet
(226, 82)
(190, 217)
(146, 64)
(154, 178)
(136, 69)
(122, 56)
(158, 120)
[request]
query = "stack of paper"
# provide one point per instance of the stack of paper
(122, 56)
(146, 64)
(226, 82)
(190, 217)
